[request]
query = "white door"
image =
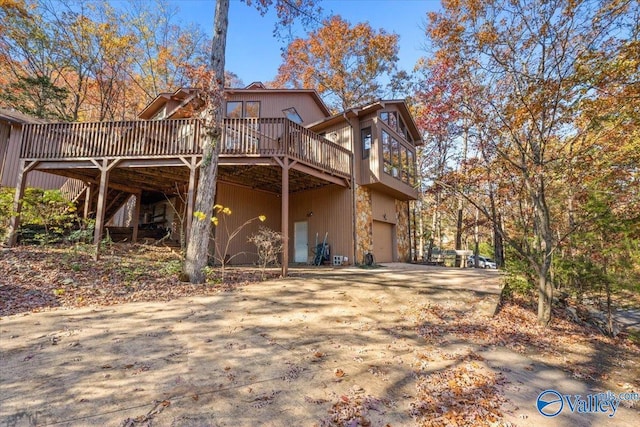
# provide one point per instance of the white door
(300, 241)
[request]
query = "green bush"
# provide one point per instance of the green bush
(519, 277)
(44, 217)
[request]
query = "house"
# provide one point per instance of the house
(348, 176)
(11, 123)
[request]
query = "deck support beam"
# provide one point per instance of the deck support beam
(285, 215)
(14, 222)
(136, 217)
(194, 166)
(105, 167)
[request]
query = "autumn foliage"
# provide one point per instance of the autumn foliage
(341, 61)
(85, 61)
(545, 94)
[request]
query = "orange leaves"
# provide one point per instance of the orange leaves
(466, 394)
(41, 278)
(340, 59)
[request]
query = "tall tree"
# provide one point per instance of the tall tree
(85, 60)
(164, 46)
(342, 62)
(211, 117)
(522, 58)
(28, 41)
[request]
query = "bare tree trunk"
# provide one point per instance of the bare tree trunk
(544, 234)
(498, 246)
(459, 258)
(198, 244)
(476, 240)
(545, 297)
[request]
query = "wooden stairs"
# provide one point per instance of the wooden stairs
(76, 191)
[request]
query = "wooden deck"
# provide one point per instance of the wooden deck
(243, 142)
(116, 160)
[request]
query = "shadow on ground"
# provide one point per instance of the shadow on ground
(319, 348)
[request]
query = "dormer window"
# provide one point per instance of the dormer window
(292, 114)
(160, 114)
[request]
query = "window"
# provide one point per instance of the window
(292, 114)
(252, 109)
(394, 121)
(411, 167)
(234, 109)
(160, 114)
(386, 151)
(390, 118)
(404, 165)
(365, 136)
(240, 109)
(395, 158)
(399, 159)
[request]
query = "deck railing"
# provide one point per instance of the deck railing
(262, 137)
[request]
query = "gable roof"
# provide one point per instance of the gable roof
(369, 108)
(258, 87)
(186, 95)
(13, 116)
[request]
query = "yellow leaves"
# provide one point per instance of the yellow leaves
(225, 210)
(199, 215)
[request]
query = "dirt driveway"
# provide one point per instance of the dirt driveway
(304, 351)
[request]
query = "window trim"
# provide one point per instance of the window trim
(396, 154)
(243, 109)
(292, 112)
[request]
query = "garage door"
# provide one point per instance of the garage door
(383, 241)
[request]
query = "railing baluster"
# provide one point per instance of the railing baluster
(250, 136)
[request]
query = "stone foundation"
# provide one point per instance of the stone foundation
(402, 231)
(364, 223)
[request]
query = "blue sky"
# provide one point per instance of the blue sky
(254, 54)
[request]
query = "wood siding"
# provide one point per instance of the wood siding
(332, 213)
(10, 162)
(271, 105)
(245, 204)
(384, 207)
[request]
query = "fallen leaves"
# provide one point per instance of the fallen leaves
(353, 409)
(465, 394)
(36, 278)
(578, 349)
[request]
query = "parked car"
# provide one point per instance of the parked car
(483, 262)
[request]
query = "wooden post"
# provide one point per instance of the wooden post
(285, 216)
(136, 217)
(102, 201)
(88, 199)
(21, 183)
(105, 168)
(193, 169)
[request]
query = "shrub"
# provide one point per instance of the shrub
(269, 245)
